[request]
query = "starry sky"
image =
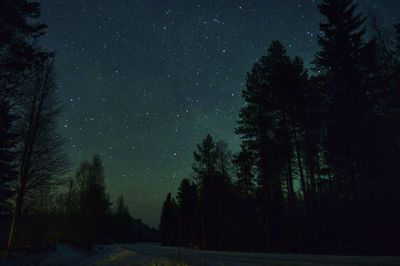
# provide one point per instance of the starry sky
(143, 81)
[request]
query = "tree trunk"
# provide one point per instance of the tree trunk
(289, 183)
(14, 222)
(69, 198)
(300, 166)
(203, 226)
(28, 141)
(313, 188)
(291, 203)
(266, 204)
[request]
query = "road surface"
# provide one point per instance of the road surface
(214, 258)
(150, 254)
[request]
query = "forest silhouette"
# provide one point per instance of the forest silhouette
(318, 166)
(317, 171)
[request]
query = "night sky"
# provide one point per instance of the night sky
(143, 81)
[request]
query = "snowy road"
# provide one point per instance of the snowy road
(211, 258)
(150, 254)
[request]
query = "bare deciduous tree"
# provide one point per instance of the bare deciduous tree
(41, 158)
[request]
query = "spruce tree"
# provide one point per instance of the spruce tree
(211, 172)
(19, 32)
(7, 157)
(187, 201)
(356, 140)
(22, 66)
(343, 62)
(397, 32)
(383, 167)
(204, 168)
(122, 222)
(168, 222)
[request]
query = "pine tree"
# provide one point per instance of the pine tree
(246, 205)
(223, 159)
(245, 173)
(205, 160)
(269, 125)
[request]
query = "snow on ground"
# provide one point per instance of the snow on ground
(152, 254)
(64, 255)
(102, 255)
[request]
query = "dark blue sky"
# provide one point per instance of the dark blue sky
(143, 81)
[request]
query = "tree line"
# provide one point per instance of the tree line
(39, 206)
(318, 169)
(87, 215)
